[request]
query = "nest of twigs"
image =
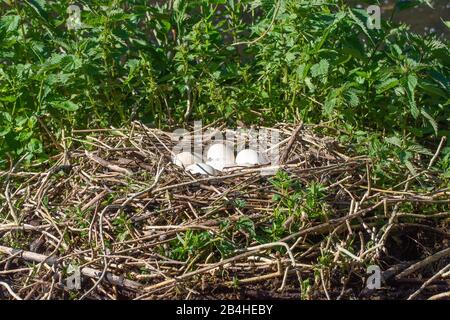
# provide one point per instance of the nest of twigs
(118, 212)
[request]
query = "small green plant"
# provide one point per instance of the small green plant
(295, 202)
(122, 226)
(189, 244)
(305, 289)
(247, 227)
(239, 203)
(313, 203)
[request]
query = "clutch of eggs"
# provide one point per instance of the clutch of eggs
(218, 158)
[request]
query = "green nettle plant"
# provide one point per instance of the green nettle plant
(253, 61)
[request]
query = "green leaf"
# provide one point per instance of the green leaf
(417, 148)
(386, 85)
(8, 98)
(5, 130)
(71, 63)
(432, 90)
(353, 99)
(38, 7)
(431, 120)
(412, 83)
(410, 167)
(5, 123)
(247, 225)
(447, 23)
(66, 105)
(394, 140)
(35, 146)
(9, 23)
(329, 105)
(320, 68)
(360, 21)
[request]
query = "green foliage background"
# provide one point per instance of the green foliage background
(254, 61)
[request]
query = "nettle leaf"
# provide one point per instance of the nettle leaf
(331, 102)
(360, 17)
(300, 70)
(38, 6)
(415, 112)
(410, 167)
(290, 56)
(71, 63)
(8, 98)
(66, 105)
(320, 68)
(386, 85)
(9, 23)
(247, 225)
(431, 120)
(353, 99)
(310, 85)
(4, 130)
(35, 146)
(39, 9)
(24, 135)
(396, 141)
(432, 90)
(54, 62)
(5, 123)
(329, 105)
(417, 148)
(66, 62)
(412, 83)
(21, 120)
(59, 78)
(5, 116)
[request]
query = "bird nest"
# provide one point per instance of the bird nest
(112, 218)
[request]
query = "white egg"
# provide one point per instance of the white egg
(220, 156)
(185, 159)
(200, 168)
(247, 158)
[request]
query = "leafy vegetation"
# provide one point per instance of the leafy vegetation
(383, 93)
(254, 61)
